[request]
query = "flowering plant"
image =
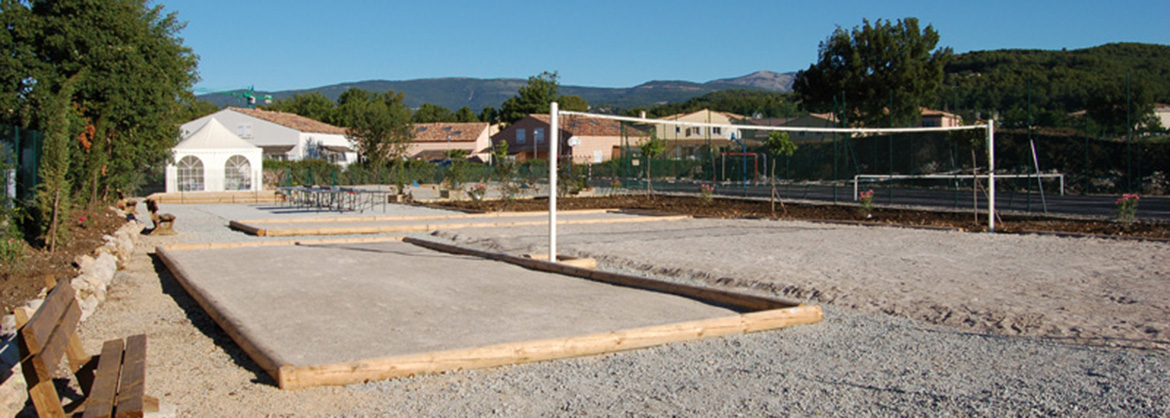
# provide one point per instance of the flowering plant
(85, 220)
(866, 200)
(477, 192)
(1127, 206)
(706, 192)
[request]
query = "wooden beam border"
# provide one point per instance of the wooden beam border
(384, 229)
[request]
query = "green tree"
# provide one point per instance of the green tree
(652, 148)
(504, 169)
(138, 75)
(379, 127)
(464, 114)
(536, 96)
(312, 105)
(53, 196)
(876, 68)
(349, 104)
(778, 144)
(193, 108)
(429, 113)
(489, 115)
(17, 30)
(574, 103)
(1115, 109)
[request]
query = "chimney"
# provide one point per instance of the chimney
(642, 114)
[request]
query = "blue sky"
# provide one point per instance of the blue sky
(294, 44)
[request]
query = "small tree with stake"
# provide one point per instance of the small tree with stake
(777, 144)
(505, 168)
(651, 148)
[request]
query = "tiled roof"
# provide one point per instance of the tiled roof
(291, 120)
(932, 112)
(454, 131)
(582, 126)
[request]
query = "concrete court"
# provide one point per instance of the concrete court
(329, 303)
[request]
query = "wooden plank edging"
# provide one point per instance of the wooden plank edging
(383, 229)
(294, 377)
(422, 217)
(703, 294)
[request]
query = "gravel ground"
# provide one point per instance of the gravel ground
(855, 363)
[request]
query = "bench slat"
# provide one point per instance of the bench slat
(105, 385)
(58, 341)
(132, 385)
(39, 328)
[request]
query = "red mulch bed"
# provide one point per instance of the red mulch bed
(737, 208)
(21, 282)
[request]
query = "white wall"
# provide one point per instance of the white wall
(213, 168)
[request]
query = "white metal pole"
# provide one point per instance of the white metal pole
(553, 141)
(991, 175)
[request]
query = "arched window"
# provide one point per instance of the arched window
(237, 173)
(190, 174)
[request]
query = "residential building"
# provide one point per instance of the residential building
(432, 141)
(593, 140)
(939, 119)
(1162, 113)
(282, 136)
(688, 142)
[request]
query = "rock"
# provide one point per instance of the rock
(8, 325)
(88, 306)
(81, 284)
(83, 262)
(32, 305)
(13, 392)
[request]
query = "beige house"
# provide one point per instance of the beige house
(432, 141)
(1162, 112)
(586, 140)
(691, 141)
(936, 118)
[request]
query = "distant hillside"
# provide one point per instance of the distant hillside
(476, 93)
(1061, 81)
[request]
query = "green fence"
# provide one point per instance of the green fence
(1089, 164)
(20, 150)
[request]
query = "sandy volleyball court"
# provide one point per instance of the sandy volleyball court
(1108, 292)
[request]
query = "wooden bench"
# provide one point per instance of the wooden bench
(163, 222)
(112, 383)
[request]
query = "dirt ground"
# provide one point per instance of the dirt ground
(23, 280)
(738, 208)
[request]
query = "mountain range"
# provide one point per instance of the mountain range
(476, 93)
